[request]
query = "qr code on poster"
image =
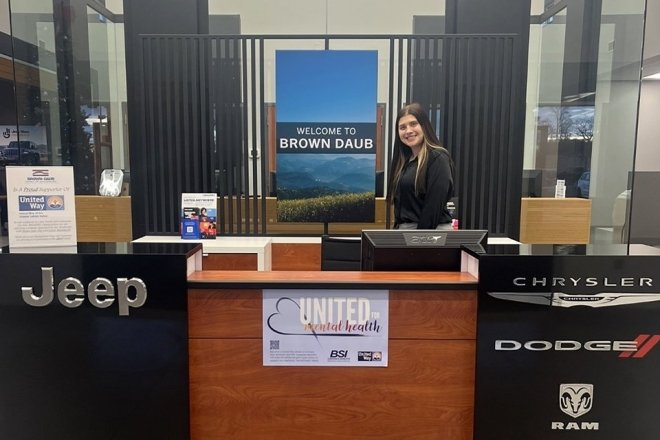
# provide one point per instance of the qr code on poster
(274, 345)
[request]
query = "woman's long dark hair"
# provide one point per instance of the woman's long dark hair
(402, 152)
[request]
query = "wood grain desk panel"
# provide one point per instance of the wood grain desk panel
(224, 313)
(296, 256)
(433, 314)
(426, 393)
(546, 220)
(229, 262)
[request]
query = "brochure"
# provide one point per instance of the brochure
(199, 214)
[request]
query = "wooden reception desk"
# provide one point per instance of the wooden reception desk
(426, 392)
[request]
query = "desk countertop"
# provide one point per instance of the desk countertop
(331, 279)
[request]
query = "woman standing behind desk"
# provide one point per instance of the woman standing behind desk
(421, 174)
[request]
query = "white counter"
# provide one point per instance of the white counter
(224, 245)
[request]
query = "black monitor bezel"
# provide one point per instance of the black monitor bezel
(448, 254)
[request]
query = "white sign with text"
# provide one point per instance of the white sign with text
(325, 327)
(41, 207)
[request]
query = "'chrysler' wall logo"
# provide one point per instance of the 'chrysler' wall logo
(559, 299)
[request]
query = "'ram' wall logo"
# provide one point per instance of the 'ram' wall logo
(575, 399)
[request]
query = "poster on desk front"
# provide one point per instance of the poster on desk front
(41, 207)
(326, 135)
(339, 328)
(568, 347)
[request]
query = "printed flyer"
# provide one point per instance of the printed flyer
(199, 216)
(325, 328)
(41, 207)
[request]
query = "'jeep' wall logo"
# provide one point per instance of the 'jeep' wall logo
(575, 399)
(100, 292)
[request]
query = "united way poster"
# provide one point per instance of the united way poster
(41, 207)
(319, 327)
(326, 135)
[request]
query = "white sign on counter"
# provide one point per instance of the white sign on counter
(41, 207)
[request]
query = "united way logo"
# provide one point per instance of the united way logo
(575, 399)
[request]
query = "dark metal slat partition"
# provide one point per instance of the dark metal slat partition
(253, 104)
(264, 147)
(472, 86)
(205, 123)
(244, 110)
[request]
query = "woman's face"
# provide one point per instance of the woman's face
(410, 132)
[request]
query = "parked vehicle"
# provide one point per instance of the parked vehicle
(20, 153)
(583, 184)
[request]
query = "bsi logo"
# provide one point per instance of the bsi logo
(575, 400)
(100, 292)
(339, 354)
(6, 133)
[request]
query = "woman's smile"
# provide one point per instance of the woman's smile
(410, 131)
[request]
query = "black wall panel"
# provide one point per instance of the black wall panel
(152, 17)
(73, 369)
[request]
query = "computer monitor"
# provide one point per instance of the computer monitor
(417, 249)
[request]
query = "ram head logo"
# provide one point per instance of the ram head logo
(575, 399)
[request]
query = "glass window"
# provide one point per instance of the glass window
(106, 110)
(544, 111)
(37, 97)
(70, 89)
(615, 117)
(582, 100)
